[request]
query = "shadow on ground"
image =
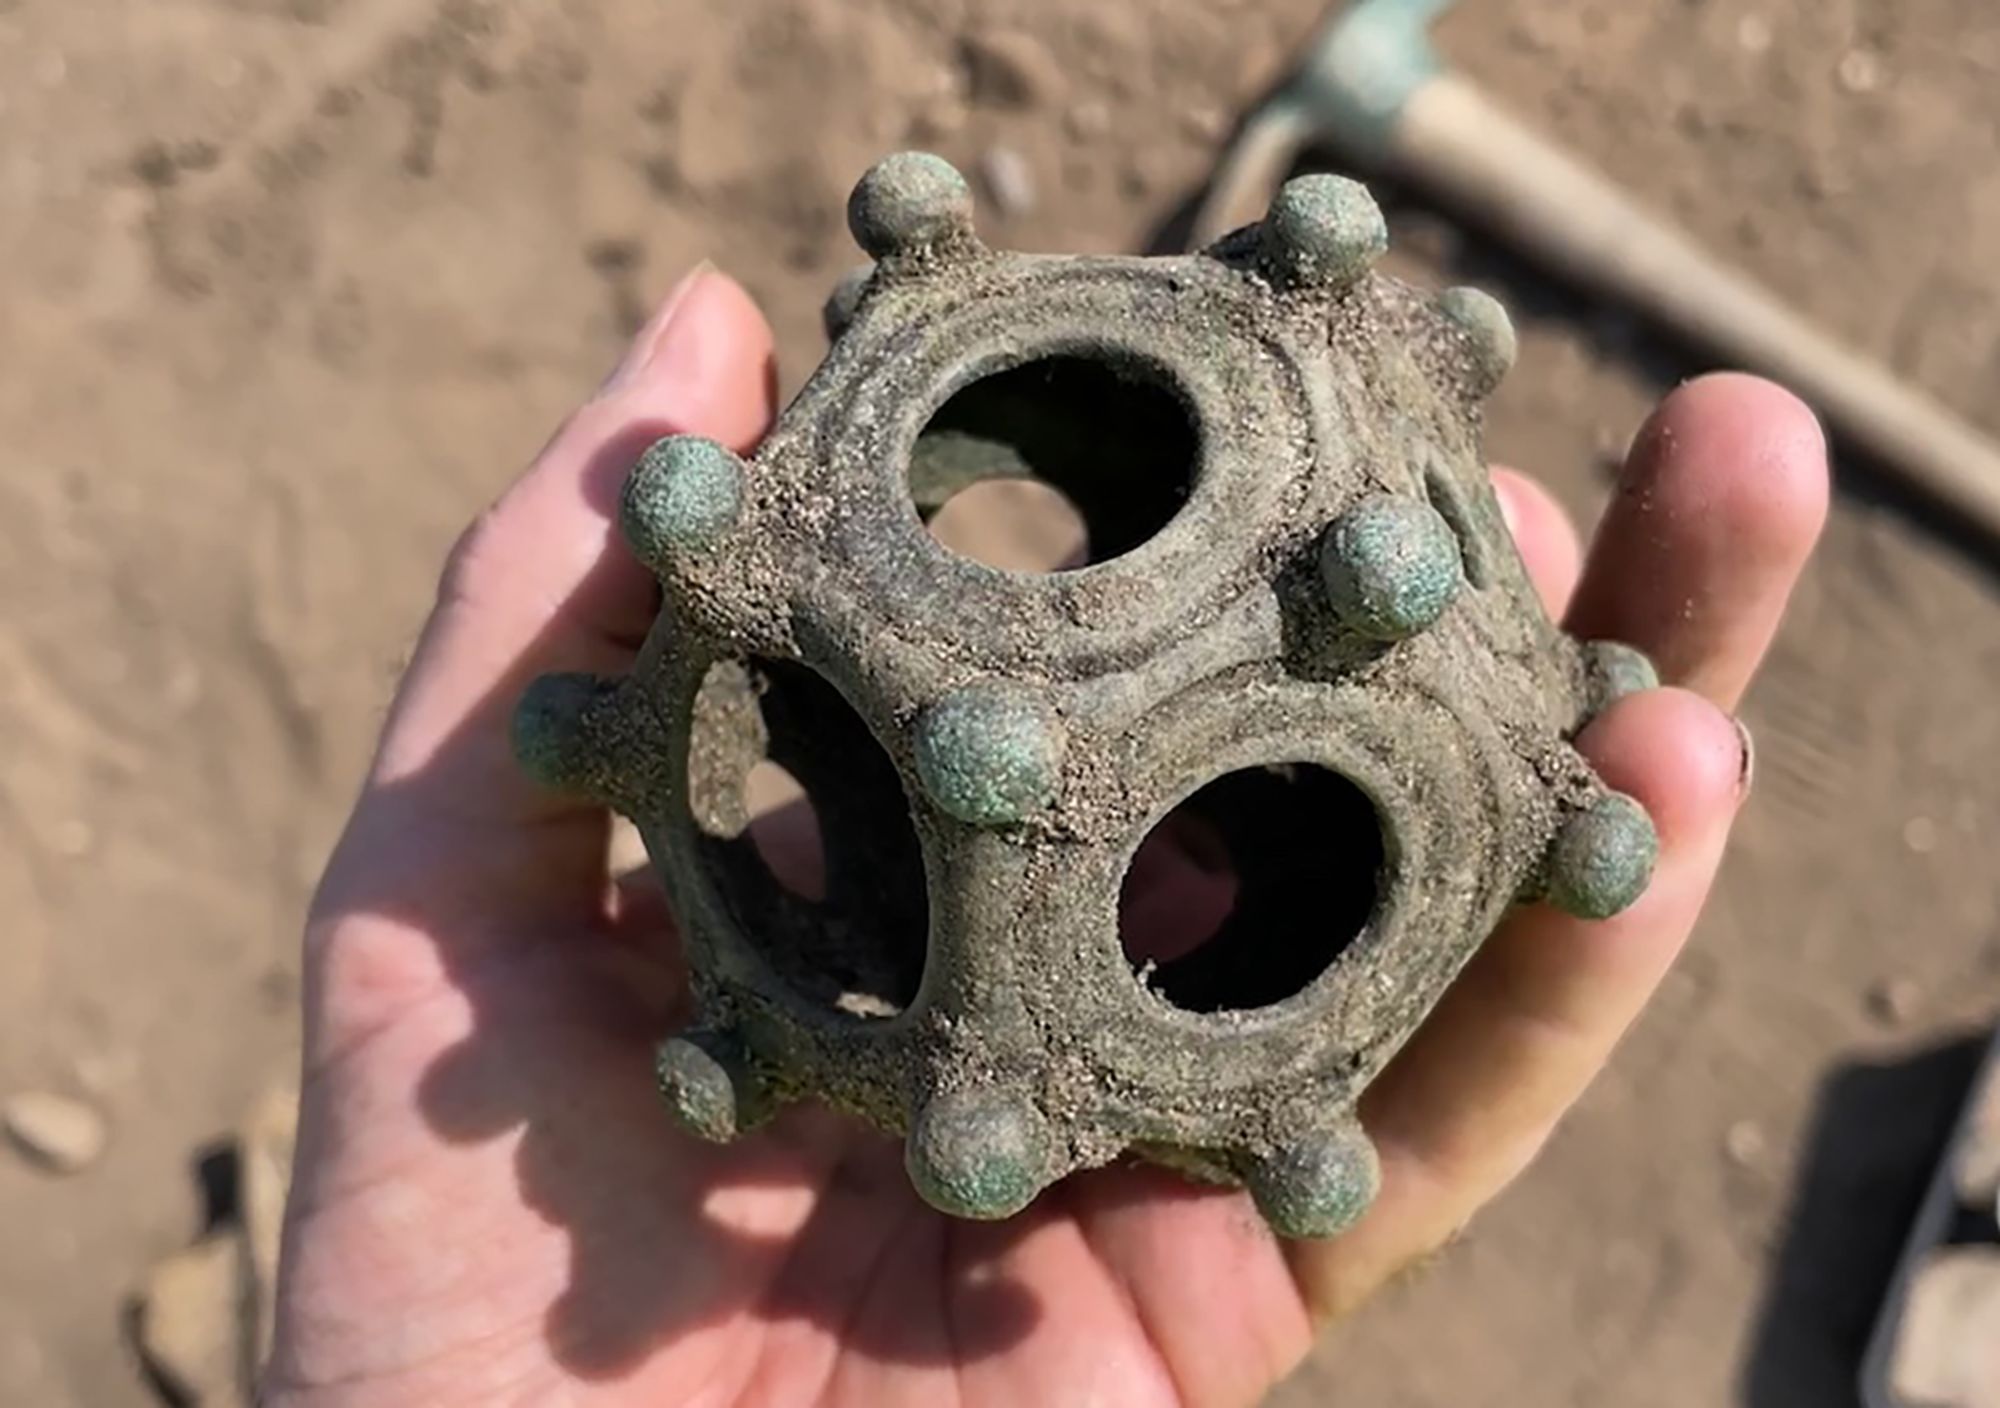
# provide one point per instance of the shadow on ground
(1876, 1136)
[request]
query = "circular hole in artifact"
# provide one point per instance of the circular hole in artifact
(1106, 439)
(804, 831)
(1249, 890)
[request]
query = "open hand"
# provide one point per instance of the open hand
(490, 1206)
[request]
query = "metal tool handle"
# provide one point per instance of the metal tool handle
(1261, 157)
(1505, 176)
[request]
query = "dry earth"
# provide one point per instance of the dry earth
(291, 286)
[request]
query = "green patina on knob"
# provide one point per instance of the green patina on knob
(708, 1086)
(1490, 340)
(550, 730)
(909, 201)
(989, 754)
(1602, 859)
(1391, 566)
(1320, 1186)
(684, 494)
(1615, 671)
(979, 1154)
(1323, 232)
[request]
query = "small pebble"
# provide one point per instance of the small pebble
(1753, 34)
(1206, 124)
(153, 165)
(60, 1134)
(1008, 180)
(613, 256)
(1745, 1143)
(1894, 1002)
(1135, 180)
(1087, 121)
(1920, 834)
(1860, 71)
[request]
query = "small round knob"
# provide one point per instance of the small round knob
(909, 201)
(685, 493)
(989, 754)
(1320, 1186)
(705, 1095)
(979, 1153)
(1602, 859)
(1615, 670)
(1323, 232)
(1489, 335)
(1391, 566)
(559, 734)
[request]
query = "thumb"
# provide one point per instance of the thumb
(541, 582)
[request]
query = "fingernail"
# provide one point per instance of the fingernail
(1746, 774)
(646, 348)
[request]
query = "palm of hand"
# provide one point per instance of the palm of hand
(563, 1238)
(490, 1205)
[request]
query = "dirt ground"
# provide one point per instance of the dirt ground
(289, 287)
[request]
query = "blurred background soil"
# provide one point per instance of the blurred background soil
(289, 288)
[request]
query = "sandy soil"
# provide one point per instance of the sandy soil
(291, 286)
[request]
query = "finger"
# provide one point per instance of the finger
(1721, 501)
(640, 915)
(1226, 1336)
(1178, 891)
(542, 582)
(1534, 1017)
(449, 825)
(1545, 536)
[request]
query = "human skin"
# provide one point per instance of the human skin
(489, 1205)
